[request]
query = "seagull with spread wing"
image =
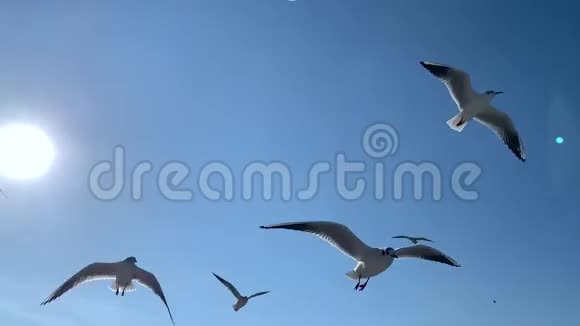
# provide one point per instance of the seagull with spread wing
(242, 300)
(414, 240)
(369, 261)
(473, 105)
(123, 273)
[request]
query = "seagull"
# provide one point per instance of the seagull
(369, 261)
(412, 239)
(123, 273)
(473, 105)
(3, 193)
(242, 300)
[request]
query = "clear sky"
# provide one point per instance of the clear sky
(296, 82)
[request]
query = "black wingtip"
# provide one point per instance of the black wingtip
(263, 227)
(427, 65)
(439, 70)
(518, 155)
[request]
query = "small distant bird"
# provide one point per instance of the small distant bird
(242, 300)
(473, 105)
(3, 193)
(370, 261)
(123, 273)
(412, 239)
(493, 301)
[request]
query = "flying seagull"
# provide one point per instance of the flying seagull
(414, 240)
(370, 261)
(242, 300)
(123, 273)
(3, 193)
(473, 105)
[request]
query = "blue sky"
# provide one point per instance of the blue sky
(296, 82)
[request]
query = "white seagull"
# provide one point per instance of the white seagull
(414, 240)
(242, 300)
(123, 273)
(370, 261)
(473, 105)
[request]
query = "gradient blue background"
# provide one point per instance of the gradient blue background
(239, 81)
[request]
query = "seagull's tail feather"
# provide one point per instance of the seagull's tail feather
(353, 274)
(456, 122)
(357, 272)
(113, 287)
(129, 288)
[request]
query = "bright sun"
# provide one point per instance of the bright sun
(26, 152)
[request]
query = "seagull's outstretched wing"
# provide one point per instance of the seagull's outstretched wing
(338, 235)
(503, 126)
(413, 240)
(149, 280)
(229, 285)
(92, 272)
(427, 253)
(258, 294)
(457, 81)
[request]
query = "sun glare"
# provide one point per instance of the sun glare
(26, 152)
